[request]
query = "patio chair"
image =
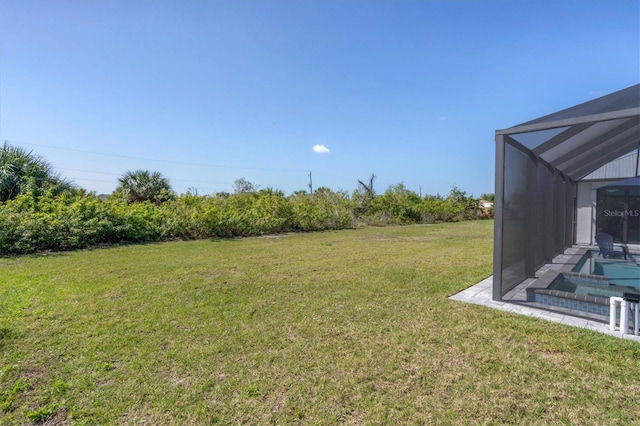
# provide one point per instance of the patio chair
(605, 244)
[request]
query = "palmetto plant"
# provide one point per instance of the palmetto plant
(9, 180)
(23, 171)
(143, 185)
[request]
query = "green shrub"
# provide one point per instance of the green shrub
(323, 210)
(74, 220)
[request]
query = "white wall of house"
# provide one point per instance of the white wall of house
(586, 210)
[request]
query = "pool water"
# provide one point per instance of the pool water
(589, 287)
(620, 272)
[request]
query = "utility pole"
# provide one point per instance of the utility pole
(310, 183)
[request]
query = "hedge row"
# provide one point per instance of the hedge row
(32, 223)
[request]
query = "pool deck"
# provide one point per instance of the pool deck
(515, 301)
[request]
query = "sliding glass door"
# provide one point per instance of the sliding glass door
(618, 213)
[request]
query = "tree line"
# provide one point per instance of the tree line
(40, 211)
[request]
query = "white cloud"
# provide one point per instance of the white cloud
(443, 118)
(321, 149)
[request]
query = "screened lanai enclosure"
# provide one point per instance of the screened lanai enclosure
(538, 167)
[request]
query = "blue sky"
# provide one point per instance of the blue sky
(207, 92)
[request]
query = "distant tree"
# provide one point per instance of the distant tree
(367, 188)
(487, 197)
(461, 205)
(323, 190)
(457, 195)
(143, 185)
(23, 171)
(398, 204)
(243, 186)
(364, 194)
(271, 191)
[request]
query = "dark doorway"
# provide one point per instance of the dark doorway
(618, 211)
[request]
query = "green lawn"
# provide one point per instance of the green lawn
(347, 327)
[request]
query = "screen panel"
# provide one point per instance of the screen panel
(514, 240)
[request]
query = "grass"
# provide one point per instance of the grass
(348, 327)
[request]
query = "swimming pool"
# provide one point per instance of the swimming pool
(619, 271)
(587, 286)
(578, 292)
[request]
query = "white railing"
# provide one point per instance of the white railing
(626, 307)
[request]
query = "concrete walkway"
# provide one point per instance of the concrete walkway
(481, 294)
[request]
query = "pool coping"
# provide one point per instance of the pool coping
(540, 285)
